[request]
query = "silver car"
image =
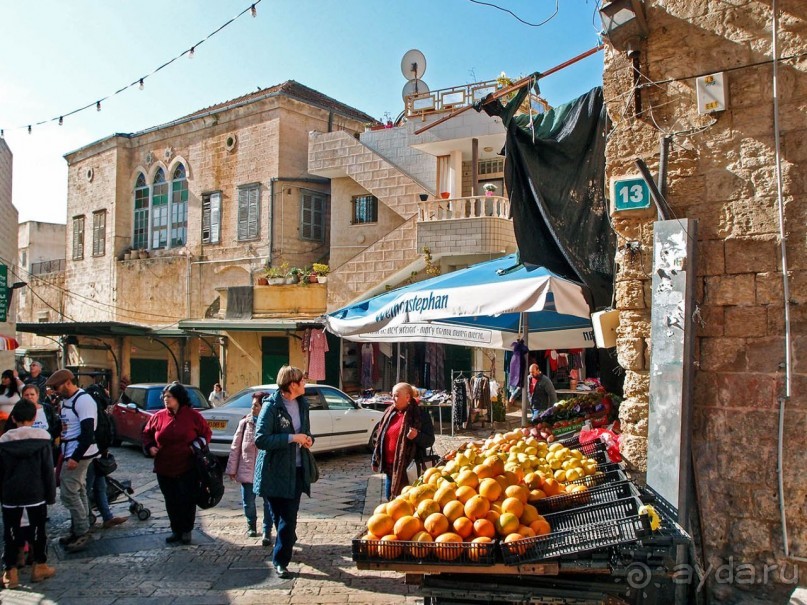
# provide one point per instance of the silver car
(337, 422)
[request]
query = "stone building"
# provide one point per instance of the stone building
(8, 251)
(750, 346)
(170, 230)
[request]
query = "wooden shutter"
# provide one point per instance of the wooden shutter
(248, 213)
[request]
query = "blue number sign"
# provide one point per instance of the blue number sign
(630, 193)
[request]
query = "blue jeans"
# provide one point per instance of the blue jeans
(284, 514)
(251, 513)
(387, 485)
(96, 485)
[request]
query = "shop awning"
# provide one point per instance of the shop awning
(247, 325)
(7, 343)
(84, 328)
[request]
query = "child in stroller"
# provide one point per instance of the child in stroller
(99, 477)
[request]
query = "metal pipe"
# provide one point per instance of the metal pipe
(658, 198)
(525, 391)
(664, 153)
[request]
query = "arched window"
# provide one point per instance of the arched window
(159, 211)
(179, 206)
(140, 238)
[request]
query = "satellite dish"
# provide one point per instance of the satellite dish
(413, 64)
(414, 87)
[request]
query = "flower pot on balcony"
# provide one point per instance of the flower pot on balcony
(262, 281)
(277, 281)
(488, 194)
(323, 279)
(423, 196)
(312, 279)
(445, 195)
(143, 254)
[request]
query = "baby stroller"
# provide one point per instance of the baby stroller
(115, 490)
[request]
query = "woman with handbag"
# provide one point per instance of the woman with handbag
(167, 437)
(404, 434)
(284, 469)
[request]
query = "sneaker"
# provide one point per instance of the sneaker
(10, 578)
(173, 538)
(42, 571)
(252, 532)
(79, 544)
(282, 572)
(115, 521)
(266, 540)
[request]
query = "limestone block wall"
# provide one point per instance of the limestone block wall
(484, 236)
(721, 171)
(41, 242)
(8, 242)
(395, 144)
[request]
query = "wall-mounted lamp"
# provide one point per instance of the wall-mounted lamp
(623, 24)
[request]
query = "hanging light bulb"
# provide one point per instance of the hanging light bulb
(98, 106)
(190, 53)
(29, 129)
(253, 10)
(141, 86)
(61, 120)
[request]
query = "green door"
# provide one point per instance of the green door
(149, 370)
(208, 373)
(275, 351)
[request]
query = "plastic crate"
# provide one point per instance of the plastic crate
(581, 530)
(426, 553)
(606, 473)
(608, 492)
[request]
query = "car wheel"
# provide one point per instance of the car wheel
(373, 436)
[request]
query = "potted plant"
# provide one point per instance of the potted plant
(308, 276)
(277, 275)
(322, 271)
(489, 188)
(293, 275)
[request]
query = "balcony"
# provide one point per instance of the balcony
(475, 226)
(288, 301)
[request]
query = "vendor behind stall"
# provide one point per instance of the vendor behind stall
(542, 392)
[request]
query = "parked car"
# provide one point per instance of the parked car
(136, 405)
(337, 421)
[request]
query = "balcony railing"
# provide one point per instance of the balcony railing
(447, 99)
(477, 206)
(48, 266)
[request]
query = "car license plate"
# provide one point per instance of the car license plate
(217, 425)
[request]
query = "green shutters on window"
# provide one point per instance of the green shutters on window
(98, 232)
(179, 207)
(312, 216)
(211, 218)
(249, 210)
(78, 237)
(141, 214)
(159, 211)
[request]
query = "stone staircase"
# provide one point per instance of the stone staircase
(339, 151)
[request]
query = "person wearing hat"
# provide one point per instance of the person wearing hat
(79, 418)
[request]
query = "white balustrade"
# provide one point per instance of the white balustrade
(477, 206)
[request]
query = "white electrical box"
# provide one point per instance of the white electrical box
(711, 93)
(605, 324)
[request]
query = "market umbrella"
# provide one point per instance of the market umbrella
(7, 343)
(486, 305)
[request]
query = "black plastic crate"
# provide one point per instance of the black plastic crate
(425, 553)
(607, 492)
(581, 530)
(606, 473)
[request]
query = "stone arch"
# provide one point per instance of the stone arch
(178, 159)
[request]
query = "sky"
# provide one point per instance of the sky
(59, 56)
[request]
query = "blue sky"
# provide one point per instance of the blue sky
(60, 55)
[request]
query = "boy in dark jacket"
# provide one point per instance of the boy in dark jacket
(27, 486)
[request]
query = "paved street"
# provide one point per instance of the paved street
(131, 563)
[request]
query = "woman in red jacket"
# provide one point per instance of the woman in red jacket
(167, 437)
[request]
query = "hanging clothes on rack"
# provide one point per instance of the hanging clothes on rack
(517, 363)
(459, 392)
(480, 397)
(317, 347)
(367, 362)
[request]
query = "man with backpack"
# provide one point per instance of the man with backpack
(79, 420)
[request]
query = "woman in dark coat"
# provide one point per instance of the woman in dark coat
(405, 433)
(283, 468)
(167, 437)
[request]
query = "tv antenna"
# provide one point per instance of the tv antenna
(413, 66)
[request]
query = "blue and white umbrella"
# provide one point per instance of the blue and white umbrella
(485, 305)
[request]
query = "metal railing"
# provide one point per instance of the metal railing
(447, 99)
(48, 266)
(477, 206)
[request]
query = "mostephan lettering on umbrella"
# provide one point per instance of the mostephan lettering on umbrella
(418, 303)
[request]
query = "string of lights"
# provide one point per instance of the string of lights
(139, 82)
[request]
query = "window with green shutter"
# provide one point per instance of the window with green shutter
(159, 211)
(140, 238)
(179, 207)
(249, 210)
(78, 237)
(211, 218)
(98, 232)
(312, 216)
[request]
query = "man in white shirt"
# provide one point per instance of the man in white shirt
(79, 419)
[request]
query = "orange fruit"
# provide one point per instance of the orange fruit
(513, 538)
(445, 494)
(477, 507)
(552, 487)
(421, 552)
(532, 480)
(446, 552)
(380, 525)
(371, 544)
(484, 529)
(467, 477)
(406, 527)
(465, 493)
(399, 507)
(540, 527)
(506, 524)
(496, 464)
(517, 491)
(484, 471)
(514, 477)
(387, 547)
(529, 515)
(463, 526)
(477, 552)
(503, 481)
(525, 531)
(427, 507)
(492, 516)
(381, 509)
(490, 489)
(436, 524)
(535, 495)
(513, 505)
(453, 509)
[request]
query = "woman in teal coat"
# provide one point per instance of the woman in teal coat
(283, 468)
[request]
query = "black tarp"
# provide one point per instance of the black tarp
(554, 172)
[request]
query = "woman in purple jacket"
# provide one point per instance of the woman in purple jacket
(241, 468)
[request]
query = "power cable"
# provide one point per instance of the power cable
(506, 10)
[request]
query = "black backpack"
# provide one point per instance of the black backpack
(103, 424)
(211, 477)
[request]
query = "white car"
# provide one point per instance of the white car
(337, 421)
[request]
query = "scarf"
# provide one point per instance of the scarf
(405, 449)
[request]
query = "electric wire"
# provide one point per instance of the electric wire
(506, 10)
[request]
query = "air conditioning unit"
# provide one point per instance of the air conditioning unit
(605, 324)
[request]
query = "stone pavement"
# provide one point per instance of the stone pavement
(130, 564)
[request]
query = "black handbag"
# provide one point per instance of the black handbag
(211, 477)
(104, 464)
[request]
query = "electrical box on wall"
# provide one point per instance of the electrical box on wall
(711, 91)
(605, 324)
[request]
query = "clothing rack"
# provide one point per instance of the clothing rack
(455, 374)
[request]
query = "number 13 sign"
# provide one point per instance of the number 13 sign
(629, 193)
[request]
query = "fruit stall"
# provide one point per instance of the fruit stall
(514, 517)
(568, 416)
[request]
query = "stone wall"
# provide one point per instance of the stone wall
(721, 172)
(8, 243)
